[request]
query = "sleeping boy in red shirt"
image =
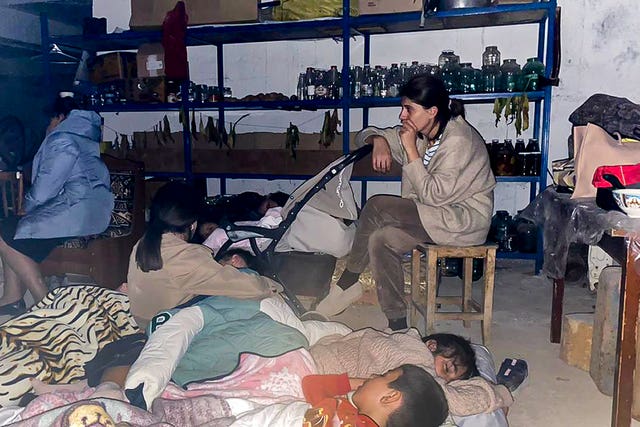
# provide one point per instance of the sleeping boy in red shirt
(403, 397)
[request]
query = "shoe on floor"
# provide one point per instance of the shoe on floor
(338, 299)
(512, 373)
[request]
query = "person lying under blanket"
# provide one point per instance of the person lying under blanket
(332, 345)
(335, 349)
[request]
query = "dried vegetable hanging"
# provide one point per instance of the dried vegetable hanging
(293, 139)
(515, 110)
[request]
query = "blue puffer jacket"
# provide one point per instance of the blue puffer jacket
(71, 191)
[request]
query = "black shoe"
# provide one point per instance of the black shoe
(512, 373)
(13, 309)
(398, 324)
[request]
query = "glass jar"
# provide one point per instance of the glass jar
(491, 76)
(500, 230)
(491, 57)
(526, 235)
(450, 75)
(467, 83)
(531, 72)
(504, 159)
(511, 76)
(447, 56)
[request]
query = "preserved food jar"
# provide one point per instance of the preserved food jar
(491, 78)
(504, 159)
(491, 57)
(511, 76)
(531, 72)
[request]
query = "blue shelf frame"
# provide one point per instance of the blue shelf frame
(366, 26)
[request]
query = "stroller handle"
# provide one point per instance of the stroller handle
(358, 154)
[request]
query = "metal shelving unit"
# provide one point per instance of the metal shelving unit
(541, 13)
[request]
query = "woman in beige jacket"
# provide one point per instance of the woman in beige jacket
(447, 195)
(165, 270)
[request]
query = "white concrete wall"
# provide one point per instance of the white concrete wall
(600, 53)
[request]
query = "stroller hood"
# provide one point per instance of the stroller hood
(319, 225)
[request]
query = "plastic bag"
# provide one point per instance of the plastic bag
(293, 10)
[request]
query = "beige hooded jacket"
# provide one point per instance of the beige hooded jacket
(454, 193)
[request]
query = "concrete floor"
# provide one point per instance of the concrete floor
(556, 394)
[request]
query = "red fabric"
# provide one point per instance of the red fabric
(319, 387)
(329, 410)
(174, 32)
(627, 174)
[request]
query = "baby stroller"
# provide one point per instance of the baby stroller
(317, 222)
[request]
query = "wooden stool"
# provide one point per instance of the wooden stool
(471, 309)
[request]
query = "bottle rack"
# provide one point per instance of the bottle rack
(541, 13)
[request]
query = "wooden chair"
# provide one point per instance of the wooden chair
(105, 257)
(12, 189)
(470, 308)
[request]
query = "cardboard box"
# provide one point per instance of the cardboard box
(114, 66)
(150, 60)
(375, 7)
(151, 13)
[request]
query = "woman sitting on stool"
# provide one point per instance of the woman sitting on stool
(70, 196)
(447, 195)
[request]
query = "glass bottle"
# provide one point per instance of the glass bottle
(511, 75)
(534, 157)
(393, 80)
(321, 84)
(333, 85)
(414, 69)
(310, 83)
(531, 72)
(367, 82)
(404, 73)
(300, 89)
(520, 148)
(491, 57)
(356, 82)
(377, 81)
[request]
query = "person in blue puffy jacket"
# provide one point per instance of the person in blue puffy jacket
(70, 196)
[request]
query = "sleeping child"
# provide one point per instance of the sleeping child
(405, 396)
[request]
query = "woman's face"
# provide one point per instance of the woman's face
(422, 118)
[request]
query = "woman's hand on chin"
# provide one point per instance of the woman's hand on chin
(409, 137)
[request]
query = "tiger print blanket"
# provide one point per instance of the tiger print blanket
(54, 340)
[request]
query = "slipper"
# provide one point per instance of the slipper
(512, 373)
(338, 299)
